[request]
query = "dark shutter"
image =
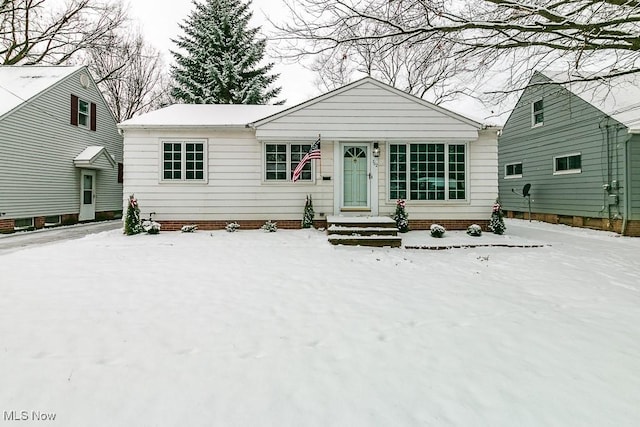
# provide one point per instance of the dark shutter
(120, 173)
(74, 110)
(94, 115)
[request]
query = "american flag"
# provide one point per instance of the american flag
(313, 153)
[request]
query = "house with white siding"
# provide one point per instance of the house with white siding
(214, 164)
(60, 149)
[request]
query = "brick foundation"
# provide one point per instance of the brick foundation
(6, 225)
(171, 225)
(615, 225)
(449, 224)
(414, 224)
(108, 215)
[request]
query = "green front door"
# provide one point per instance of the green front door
(356, 176)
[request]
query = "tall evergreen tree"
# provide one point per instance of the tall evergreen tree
(219, 57)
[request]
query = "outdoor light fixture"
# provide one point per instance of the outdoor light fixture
(376, 150)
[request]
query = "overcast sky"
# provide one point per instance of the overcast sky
(159, 22)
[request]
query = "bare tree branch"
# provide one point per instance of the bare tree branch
(591, 37)
(131, 74)
(34, 31)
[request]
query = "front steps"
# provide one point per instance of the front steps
(363, 231)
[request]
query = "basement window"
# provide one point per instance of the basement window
(50, 221)
(22, 223)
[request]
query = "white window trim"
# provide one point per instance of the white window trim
(23, 227)
(446, 200)
(184, 180)
(289, 170)
(533, 114)
(511, 176)
(568, 171)
(88, 114)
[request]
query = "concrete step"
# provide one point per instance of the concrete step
(362, 231)
(375, 241)
(361, 221)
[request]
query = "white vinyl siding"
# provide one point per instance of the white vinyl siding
(236, 188)
(367, 112)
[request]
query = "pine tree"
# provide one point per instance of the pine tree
(400, 217)
(496, 223)
(218, 61)
(132, 220)
(307, 219)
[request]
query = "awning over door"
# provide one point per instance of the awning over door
(94, 157)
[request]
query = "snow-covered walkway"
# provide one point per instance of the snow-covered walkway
(283, 329)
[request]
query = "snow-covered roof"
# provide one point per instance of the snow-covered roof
(203, 115)
(91, 157)
(618, 97)
(20, 83)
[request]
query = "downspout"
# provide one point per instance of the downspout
(627, 188)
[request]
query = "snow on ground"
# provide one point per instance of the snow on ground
(282, 329)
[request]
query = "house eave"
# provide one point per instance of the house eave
(183, 127)
(83, 161)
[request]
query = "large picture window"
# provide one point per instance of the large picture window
(427, 171)
(282, 159)
(183, 161)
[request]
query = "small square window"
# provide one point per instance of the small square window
(513, 170)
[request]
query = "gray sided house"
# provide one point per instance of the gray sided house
(60, 150)
(213, 164)
(578, 146)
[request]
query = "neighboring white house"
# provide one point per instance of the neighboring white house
(213, 164)
(59, 149)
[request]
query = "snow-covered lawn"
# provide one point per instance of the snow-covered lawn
(283, 329)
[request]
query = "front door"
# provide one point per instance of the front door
(355, 176)
(87, 195)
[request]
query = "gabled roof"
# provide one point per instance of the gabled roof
(618, 97)
(202, 115)
(242, 115)
(18, 84)
(94, 157)
(366, 80)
